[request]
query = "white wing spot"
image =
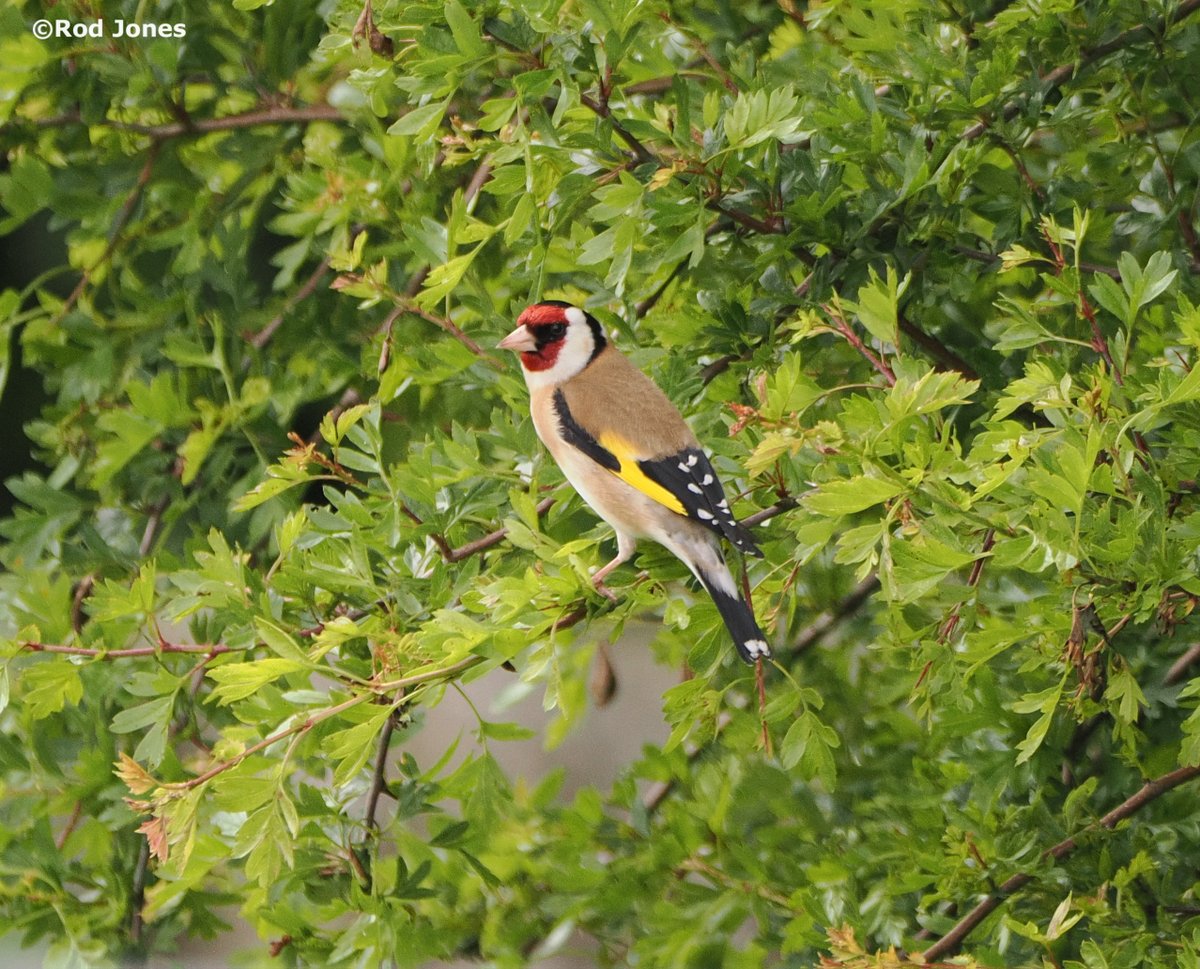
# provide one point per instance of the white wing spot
(694, 489)
(707, 480)
(723, 505)
(691, 461)
(683, 467)
(704, 515)
(757, 648)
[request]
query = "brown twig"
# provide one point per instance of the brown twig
(262, 337)
(1060, 74)
(479, 179)
(153, 522)
(131, 200)
(163, 132)
(82, 590)
(72, 821)
(601, 110)
(137, 891)
(447, 324)
(215, 649)
(1150, 791)
(747, 221)
(847, 331)
(1181, 666)
(479, 544)
(745, 886)
(303, 726)
(379, 784)
(820, 627)
(991, 259)
(976, 573)
(943, 356)
(766, 514)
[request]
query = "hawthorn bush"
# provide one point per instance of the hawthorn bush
(924, 276)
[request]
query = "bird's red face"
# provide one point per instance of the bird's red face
(540, 336)
(556, 341)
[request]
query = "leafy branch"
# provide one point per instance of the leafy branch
(1151, 791)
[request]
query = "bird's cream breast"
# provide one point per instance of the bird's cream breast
(623, 507)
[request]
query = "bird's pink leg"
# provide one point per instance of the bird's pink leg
(626, 546)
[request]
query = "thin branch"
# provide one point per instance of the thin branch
(747, 886)
(233, 122)
(766, 514)
(651, 301)
(305, 725)
(153, 522)
(846, 330)
(991, 259)
(774, 227)
(478, 180)
(601, 110)
(131, 200)
(1064, 72)
(262, 337)
(72, 821)
(379, 782)
(1179, 668)
(447, 324)
(973, 578)
(1150, 791)
(82, 590)
(137, 891)
(820, 627)
(479, 544)
(941, 353)
(215, 649)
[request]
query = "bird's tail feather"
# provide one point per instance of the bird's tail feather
(739, 620)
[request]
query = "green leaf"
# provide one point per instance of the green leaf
(352, 746)
(1124, 693)
(851, 495)
(45, 688)
(143, 715)
(420, 122)
(236, 681)
(466, 32)
(877, 305)
(809, 744)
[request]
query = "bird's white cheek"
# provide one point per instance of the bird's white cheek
(536, 379)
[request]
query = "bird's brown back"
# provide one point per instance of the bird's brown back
(629, 400)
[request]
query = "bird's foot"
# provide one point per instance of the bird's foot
(599, 586)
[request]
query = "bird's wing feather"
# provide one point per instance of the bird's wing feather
(613, 454)
(688, 475)
(683, 482)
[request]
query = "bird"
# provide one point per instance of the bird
(628, 452)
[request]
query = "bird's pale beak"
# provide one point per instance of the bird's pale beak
(519, 341)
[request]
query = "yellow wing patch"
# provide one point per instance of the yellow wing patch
(633, 476)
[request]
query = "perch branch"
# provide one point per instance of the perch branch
(1149, 792)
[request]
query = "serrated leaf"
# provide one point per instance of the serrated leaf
(851, 495)
(236, 681)
(352, 746)
(420, 122)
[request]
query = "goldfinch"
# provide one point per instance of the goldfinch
(628, 452)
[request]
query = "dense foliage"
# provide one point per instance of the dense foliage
(923, 276)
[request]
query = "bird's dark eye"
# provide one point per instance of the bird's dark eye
(553, 331)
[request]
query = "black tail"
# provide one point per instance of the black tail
(739, 620)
